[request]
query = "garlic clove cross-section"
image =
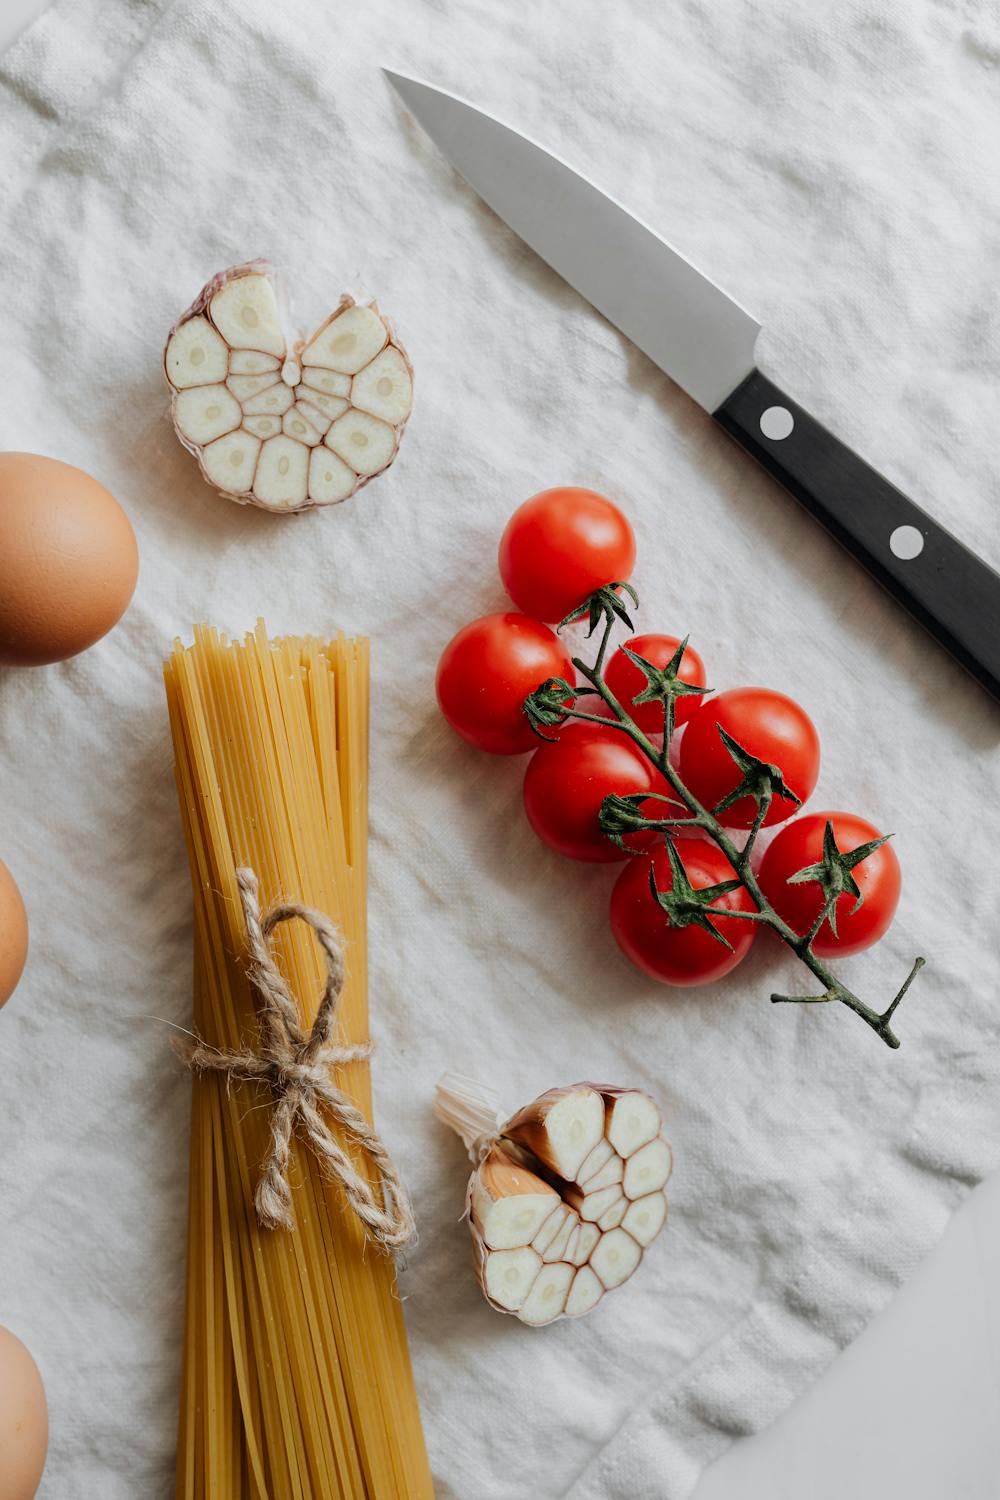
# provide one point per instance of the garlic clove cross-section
(285, 426)
(508, 1204)
(509, 1275)
(561, 1128)
(566, 1195)
(547, 1299)
(584, 1294)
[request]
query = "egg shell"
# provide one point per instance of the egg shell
(13, 935)
(24, 1421)
(68, 560)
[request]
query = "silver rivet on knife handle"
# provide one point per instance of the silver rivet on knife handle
(777, 423)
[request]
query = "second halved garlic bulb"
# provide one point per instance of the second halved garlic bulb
(285, 428)
(565, 1197)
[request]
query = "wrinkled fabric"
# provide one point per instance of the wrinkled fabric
(835, 167)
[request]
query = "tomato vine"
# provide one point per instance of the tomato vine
(556, 701)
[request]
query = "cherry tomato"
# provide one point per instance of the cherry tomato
(878, 878)
(567, 781)
(772, 728)
(646, 935)
(626, 680)
(559, 547)
(488, 669)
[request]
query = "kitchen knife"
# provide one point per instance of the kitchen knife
(705, 341)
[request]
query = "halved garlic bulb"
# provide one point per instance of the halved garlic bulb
(565, 1196)
(285, 427)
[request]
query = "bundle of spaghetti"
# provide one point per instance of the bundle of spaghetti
(296, 1375)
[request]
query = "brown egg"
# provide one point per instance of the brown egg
(68, 560)
(13, 936)
(24, 1421)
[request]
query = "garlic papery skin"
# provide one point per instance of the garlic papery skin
(566, 1195)
(302, 424)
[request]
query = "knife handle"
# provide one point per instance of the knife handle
(945, 586)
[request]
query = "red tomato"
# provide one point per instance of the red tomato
(679, 955)
(878, 878)
(772, 728)
(626, 680)
(488, 669)
(567, 781)
(559, 547)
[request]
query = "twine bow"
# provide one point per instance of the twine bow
(296, 1068)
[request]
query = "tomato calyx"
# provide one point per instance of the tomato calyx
(687, 906)
(761, 781)
(622, 815)
(834, 875)
(664, 684)
(604, 604)
(549, 706)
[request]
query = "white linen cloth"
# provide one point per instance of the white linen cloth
(834, 166)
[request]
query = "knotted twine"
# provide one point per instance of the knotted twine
(295, 1066)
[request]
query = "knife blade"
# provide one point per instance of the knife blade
(705, 341)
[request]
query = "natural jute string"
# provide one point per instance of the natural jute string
(296, 1068)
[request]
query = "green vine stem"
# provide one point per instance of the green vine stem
(556, 700)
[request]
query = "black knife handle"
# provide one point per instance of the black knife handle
(945, 586)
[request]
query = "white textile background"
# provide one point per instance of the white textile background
(834, 169)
